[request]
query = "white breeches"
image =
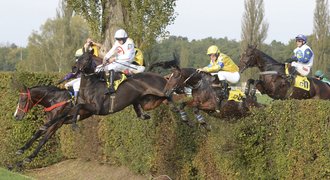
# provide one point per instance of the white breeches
(231, 77)
(302, 69)
(120, 67)
(75, 83)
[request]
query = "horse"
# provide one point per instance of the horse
(57, 104)
(205, 97)
(274, 82)
(143, 90)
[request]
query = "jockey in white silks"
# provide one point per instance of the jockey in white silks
(303, 56)
(120, 58)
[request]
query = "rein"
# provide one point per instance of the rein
(196, 85)
(26, 107)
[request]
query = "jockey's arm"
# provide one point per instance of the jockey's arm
(213, 68)
(308, 54)
(110, 53)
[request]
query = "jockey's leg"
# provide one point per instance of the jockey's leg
(224, 85)
(111, 88)
(76, 86)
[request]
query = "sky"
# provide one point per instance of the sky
(195, 19)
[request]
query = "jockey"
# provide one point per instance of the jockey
(75, 83)
(320, 76)
(120, 57)
(303, 56)
(224, 66)
(139, 61)
(92, 46)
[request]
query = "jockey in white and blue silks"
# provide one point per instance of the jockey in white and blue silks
(120, 57)
(303, 56)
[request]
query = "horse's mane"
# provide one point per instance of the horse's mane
(166, 64)
(268, 58)
(48, 88)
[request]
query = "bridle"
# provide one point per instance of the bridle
(185, 81)
(29, 100)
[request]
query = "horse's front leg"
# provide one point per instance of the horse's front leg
(201, 119)
(28, 144)
(258, 84)
(49, 133)
(76, 109)
(139, 112)
(184, 116)
(248, 86)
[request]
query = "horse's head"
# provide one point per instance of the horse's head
(174, 81)
(85, 63)
(248, 59)
(24, 103)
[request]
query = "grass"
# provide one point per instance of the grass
(5, 174)
(264, 99)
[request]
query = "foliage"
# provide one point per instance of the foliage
(53, 48)
(283, 141)
(321, 36)
(10, 54)
(145, 21)
(14, 134)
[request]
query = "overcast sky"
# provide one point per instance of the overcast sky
(196, 19)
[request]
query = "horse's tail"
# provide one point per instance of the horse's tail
(166, 64)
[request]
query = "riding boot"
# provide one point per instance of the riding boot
(225, 89)
(111, 88)
(75, 98)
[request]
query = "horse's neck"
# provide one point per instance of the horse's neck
(266, 63)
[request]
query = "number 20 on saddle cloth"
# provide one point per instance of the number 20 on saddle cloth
(299, 81)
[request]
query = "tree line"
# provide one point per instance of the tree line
(52, 49)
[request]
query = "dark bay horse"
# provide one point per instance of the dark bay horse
(57, 103)
(143, 90)
(205, 97)
(273, 80)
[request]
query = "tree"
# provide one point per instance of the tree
(320, 40)
(53, 48)
(145, 21)
(254, 28)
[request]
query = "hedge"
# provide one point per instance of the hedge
(286, 140)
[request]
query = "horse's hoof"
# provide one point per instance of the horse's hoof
(75, 127)
(10, 167)
(175, 109)
(27, 160)
(43, 128)
(189, 123)
(19, 152)
(145, 117)
(205, 126)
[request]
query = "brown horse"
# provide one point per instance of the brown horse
(143, 90)
(273, 80)
(57, 103)
(206, 98)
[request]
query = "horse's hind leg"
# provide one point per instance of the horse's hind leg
(200, 119)
(139, 112)
(49, 133)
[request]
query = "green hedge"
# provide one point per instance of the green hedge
(13, 134)
(286, 140)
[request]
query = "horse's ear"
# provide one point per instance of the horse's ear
(16, 85)
(176, 58)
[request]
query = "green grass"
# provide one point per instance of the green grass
(264, 99)
(7, 175)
